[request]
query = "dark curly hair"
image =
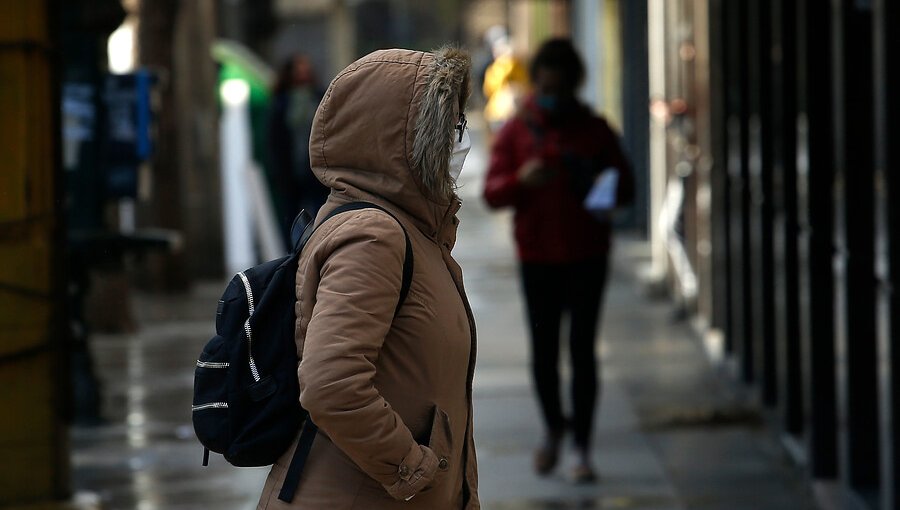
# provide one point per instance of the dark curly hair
(559, 55)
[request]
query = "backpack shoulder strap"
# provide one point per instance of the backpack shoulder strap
(408, 261)
(295, 469)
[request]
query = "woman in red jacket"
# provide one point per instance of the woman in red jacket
(544, 163)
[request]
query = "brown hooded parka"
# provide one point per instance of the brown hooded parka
(392, 396)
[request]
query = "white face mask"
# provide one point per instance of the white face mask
(458, 157)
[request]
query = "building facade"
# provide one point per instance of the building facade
(775, 127)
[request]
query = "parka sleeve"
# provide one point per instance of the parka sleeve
(360, 278)
(501, 186)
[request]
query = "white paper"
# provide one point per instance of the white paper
(602, 196)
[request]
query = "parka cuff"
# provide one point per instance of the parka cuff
(415, 472)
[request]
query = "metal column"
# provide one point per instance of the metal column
(719, 194)
(786, 323)
(854, 249)
(815, 171)
(887, 241)
(741, 330)
(759, 173)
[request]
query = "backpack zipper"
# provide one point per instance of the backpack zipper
(211, 364)
(211, 405)
(253, 370)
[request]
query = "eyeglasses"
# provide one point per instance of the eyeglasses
(461, 126)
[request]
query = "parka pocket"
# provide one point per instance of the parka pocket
(440, 441)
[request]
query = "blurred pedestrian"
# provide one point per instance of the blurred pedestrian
(390, 389)
(295, 97)
(504, 83)
(544, 163)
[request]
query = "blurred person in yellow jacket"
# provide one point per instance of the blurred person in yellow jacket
(505, 83)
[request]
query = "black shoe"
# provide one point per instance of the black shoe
(583, 474)
(547, 456)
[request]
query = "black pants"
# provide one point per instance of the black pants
(550, 291)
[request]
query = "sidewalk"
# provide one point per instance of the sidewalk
(671, 432)
(652, 451)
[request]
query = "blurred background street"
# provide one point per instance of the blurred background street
(152, 148)
(673, 432)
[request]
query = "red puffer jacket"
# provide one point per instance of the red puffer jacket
(551, 225)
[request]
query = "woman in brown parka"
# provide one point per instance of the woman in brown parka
(391, 395)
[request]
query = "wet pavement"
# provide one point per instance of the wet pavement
(661, 440)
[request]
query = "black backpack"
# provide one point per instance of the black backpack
(246, 395)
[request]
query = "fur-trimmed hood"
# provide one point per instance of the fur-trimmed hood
(385, 128)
